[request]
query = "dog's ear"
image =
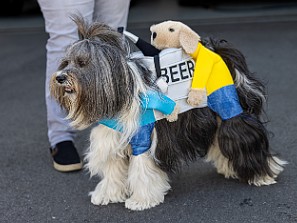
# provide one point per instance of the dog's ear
(188, 39)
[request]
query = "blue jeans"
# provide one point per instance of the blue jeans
(225, 102)
(141, 141)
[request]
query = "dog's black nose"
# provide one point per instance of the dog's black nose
(154, 35)
(61, 78)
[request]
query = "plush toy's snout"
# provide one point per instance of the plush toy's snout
(165, 35)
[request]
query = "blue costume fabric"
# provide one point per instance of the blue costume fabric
(152, 100)
(225, 102)
(141, 141)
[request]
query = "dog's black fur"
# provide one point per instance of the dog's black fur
(187, 139)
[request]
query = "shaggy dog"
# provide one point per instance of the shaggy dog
(98, 80)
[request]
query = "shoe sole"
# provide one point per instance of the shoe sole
(68, 168)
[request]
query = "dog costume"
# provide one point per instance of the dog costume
(150, 102)
(212, 73)
(172, 69)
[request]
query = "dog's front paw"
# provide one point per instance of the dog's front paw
(98, 199)
(174, 115)
(104, 194)
(195, 96)
(139, 204)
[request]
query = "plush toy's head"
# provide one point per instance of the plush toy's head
(172, 34)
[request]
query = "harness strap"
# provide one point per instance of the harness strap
(157, 65)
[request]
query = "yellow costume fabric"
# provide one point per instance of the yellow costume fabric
(210, 72)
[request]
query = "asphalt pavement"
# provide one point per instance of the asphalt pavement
(32, 191)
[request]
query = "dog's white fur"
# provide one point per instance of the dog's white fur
(135, 180)
(106, 159)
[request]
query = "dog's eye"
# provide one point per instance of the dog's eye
(63, 64)
(171, 30)
(81, 63)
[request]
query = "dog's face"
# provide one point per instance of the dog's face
(92, 82)
(173, 34)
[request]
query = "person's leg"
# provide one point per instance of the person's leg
(62, 31)
(112, 12)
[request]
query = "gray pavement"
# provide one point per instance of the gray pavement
(31, 191)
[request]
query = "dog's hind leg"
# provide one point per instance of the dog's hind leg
(225, 168)
(220, 162)
(276, 165)
(148, 184)
(244, 141)
(110, 162)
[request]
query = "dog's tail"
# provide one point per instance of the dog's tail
(186, 139)
(251, 91)
(243, 140)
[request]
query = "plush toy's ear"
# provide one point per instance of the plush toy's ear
(188, 39)
(151, 28)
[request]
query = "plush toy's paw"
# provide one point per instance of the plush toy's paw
(195, 96)
(174, 115)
